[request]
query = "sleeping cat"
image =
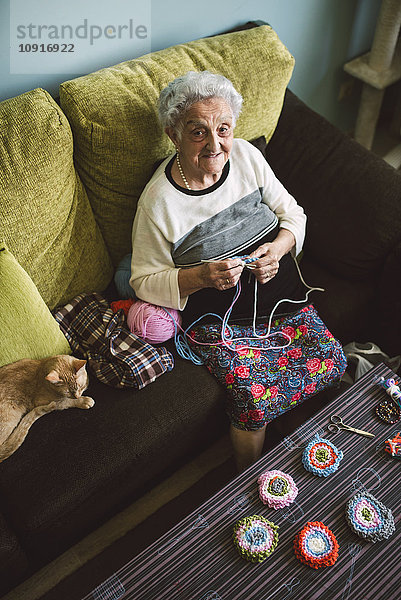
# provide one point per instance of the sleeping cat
(31, 388)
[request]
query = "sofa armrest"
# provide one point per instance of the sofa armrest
(352, 198)
(13, 561)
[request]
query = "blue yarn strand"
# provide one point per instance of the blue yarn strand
(180, 339)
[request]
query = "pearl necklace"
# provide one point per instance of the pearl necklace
(182, 173)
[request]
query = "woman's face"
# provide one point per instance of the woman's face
(206, 139)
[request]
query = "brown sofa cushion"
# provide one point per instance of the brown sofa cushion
(349, 195)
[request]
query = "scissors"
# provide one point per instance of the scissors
(336, 423)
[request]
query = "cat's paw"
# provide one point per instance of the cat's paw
(86, 402)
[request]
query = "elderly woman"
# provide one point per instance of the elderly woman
(215, 198)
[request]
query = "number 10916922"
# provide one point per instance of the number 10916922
(46, 48)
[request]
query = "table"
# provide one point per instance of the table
(196, 560)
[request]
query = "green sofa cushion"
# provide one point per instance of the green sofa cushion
(45, 216)
(113, 115)
(28, 329)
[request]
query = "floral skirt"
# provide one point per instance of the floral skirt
(264, 380)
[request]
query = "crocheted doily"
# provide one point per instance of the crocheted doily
(277, 489)
(369, 518)
(321, 457)
(316, 546)
(393, 446)
(388, 411)
(255, 538)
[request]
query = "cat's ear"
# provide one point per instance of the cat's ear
(81, 376)
(53, 377)
(79, 364)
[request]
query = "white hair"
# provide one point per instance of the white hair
(195, 86)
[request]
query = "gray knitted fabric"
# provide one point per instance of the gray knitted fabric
(369, 518)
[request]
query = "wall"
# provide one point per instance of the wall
(321, 34)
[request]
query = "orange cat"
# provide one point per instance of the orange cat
(31, 388)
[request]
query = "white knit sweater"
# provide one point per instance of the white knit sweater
(175, 228)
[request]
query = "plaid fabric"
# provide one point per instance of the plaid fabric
(118, 357)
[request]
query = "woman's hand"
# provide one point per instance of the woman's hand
(223, 274)
(269, 256)
(267, 266)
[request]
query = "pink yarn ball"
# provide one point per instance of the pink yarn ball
(152, 323)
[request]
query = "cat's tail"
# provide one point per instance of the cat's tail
(15, 439)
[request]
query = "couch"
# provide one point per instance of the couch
(71, 175)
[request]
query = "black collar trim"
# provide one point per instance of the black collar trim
(208, 190)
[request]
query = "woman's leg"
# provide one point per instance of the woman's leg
(248, 445)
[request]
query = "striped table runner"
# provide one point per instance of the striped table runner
(196, 560)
